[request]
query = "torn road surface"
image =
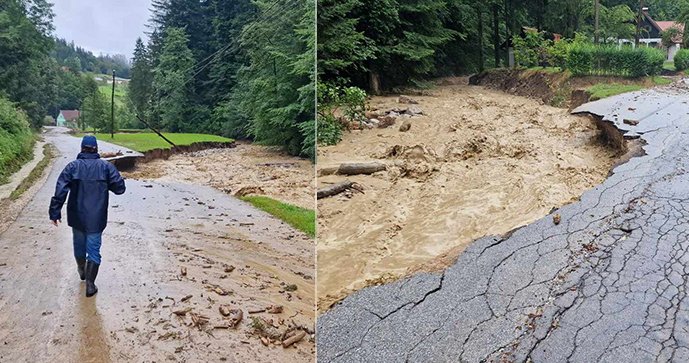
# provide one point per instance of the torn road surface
(608, 283)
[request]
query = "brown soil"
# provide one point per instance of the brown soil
(481, 162)
(556, 89)
(245, 167)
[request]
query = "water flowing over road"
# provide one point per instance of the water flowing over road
(606, 284)
(168, 248)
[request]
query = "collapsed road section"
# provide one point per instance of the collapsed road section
(603, 279)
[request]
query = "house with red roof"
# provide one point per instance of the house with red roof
(652, 34)
(66, 118)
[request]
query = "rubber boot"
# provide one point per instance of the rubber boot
(81, 268)
(91, 273)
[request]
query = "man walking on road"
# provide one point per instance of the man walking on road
(87, 180)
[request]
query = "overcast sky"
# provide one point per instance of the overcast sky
(102, 26)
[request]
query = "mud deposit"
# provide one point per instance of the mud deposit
(179, 262)
(479, 162)
(256, 168)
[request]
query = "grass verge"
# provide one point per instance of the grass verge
(146, 141)
(300, 218)
(603, 90)
(35, 174)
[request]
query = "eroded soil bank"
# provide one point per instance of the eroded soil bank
(254, 168)
(478, 162)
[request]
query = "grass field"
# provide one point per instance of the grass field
(148, 140)
(120, 93)
(297, 217)
(603, 90)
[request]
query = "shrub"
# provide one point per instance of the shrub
(588, 59)
(16, 139)
(336, 102)
(682, 60)
(531, 50)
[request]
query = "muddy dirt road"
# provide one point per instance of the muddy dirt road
(607, 284)
(232, 255)
(479, 162)
(279, 176)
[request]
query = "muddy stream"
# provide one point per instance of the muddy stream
(477, 162)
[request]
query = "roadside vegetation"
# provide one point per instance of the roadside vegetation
(603, 90)
(372, 47)
(297, 217)
(16, 139)
(35, 174)
(145, 141)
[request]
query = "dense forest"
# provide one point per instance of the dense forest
(79, 59)
(379, 45)
(239, 68)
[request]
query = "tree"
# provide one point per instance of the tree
(275, 91)
(171, 81)
(341, 47)
(141, 82)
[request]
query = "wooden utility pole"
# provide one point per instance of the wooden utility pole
(496, 35)
(479, 9)
(112, 108)
(596, 34)
(638, 23)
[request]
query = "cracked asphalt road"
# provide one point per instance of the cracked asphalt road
(608, 284)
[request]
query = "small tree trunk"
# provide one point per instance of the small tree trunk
(481, 64)
(496, 35)
(374, 83)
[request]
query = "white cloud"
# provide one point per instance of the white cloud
(102, 26)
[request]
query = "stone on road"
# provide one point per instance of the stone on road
(607, 284)
(155, 230)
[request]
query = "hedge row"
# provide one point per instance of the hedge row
(682, 60)
(587, 59)
(16, 139)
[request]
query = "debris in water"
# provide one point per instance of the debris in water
(182, 312)
(274, 309)
(186, 298)
(631, 122)
(293, 339)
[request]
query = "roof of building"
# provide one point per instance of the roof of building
(70, 115)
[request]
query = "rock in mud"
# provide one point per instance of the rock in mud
(406, 125)
(275, 309)
(414, 111)
(386, 121)
(407, 100)
(248, 190)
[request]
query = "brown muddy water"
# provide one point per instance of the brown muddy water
(257, 168)
(479, 162)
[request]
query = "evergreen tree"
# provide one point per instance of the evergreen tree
(171, 81)
(277, 87)
(141, 82)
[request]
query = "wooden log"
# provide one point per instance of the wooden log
(328, 171)
(295, 338)
(360, 168)
(334, 189)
